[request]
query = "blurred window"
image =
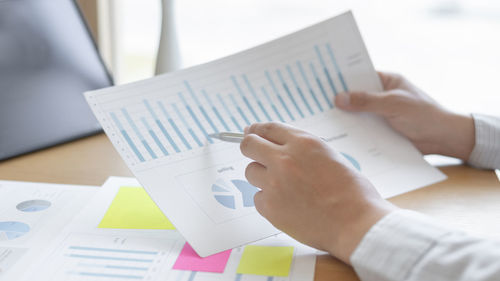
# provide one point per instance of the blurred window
(449, 48)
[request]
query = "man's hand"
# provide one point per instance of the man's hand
(411, 112)
(308, 190)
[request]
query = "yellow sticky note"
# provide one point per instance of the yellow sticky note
(132, 208)
(266, 260)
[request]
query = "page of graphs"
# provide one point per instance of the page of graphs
(161, 128)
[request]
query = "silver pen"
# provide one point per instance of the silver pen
(238, 137)
(228, 136)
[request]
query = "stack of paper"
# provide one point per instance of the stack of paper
(121, 234)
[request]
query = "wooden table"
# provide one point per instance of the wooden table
(469, 199)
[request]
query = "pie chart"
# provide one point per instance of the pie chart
(33, 206)
(228, 193)
(10, 230)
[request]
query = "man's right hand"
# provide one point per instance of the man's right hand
(411, 112)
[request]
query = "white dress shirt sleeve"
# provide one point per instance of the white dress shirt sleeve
(486, 152)
(405, 245)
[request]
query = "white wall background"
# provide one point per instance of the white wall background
(449, 48)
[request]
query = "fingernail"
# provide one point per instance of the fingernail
(343, 99)
(246, 130)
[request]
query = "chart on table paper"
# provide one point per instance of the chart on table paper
(28, 208)
(89, 257)
(31, 216)
(124, 257)
(137, 252)
(97, 244)
(10, 230)
(161, 128)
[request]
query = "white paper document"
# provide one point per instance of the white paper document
(88, 249)
(160, 127)
(31, 217)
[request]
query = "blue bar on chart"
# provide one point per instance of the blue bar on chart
(320, 85)
(138, 133)
(109, 266)
(107, 275)
(266, 94)
(238, 108)
(325, 70)
(196, 120)
(287, 90)
(337, 68)
(183, 120)
(254, 94)
(172, 123)
(280, 98)
(160, 125)
(200, 107)
(109, 258)
(245, 100)
(304, 77)
(126, 137)
(299, 90)
(133, 264)
(192, 275)
(153, 135)
(214, 109)
(235, 122)
(112, 250)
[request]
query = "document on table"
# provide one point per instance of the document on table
(31, 216)
(100, 244)
(161, 128)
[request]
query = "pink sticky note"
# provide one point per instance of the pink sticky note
(189, 260)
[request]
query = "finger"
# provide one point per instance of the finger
(258, 200)
(364, 102)
(385, 77)
(390, 80)
(257, 174)
(258, 149)
(275, 132)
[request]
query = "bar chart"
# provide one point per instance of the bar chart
(184, 120)
(89, 257)
(101, 257)
(161, 127)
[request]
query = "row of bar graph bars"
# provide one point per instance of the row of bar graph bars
(279, 100)
(111, 263)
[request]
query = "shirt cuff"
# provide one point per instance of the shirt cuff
(486, 152)
(394, 245)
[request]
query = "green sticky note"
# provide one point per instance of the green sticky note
(266, 260)
(132, 208)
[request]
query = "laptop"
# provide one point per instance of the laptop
(47, 60)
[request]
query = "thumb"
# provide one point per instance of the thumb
(363, 102)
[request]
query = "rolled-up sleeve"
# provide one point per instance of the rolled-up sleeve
(405, 245)
(486, 152)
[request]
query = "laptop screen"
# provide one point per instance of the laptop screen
(47, 60)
